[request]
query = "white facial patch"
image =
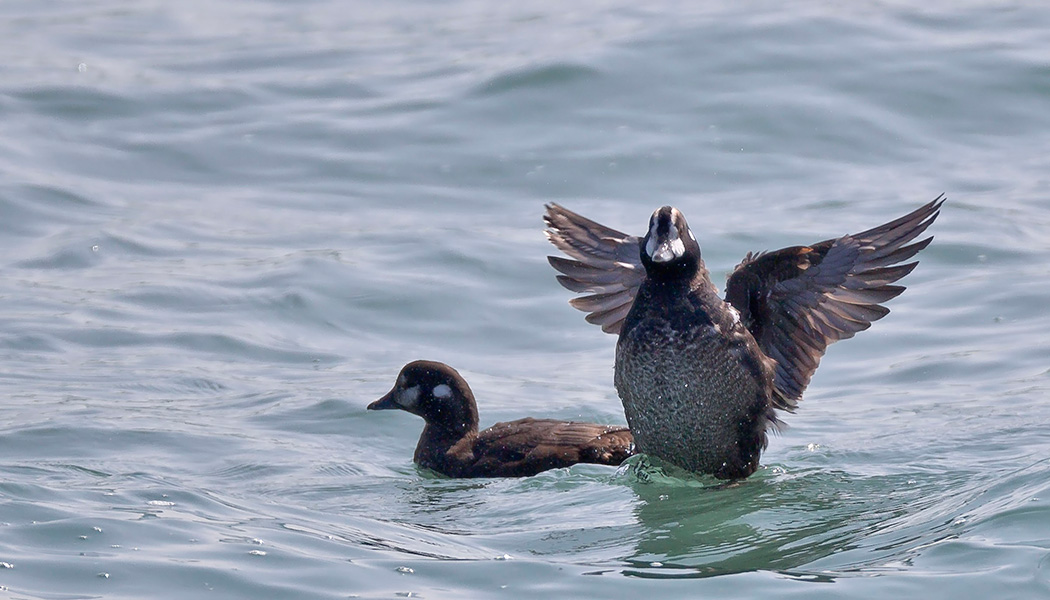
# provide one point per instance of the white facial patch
(650, 246)
(408, 397)
(669, 251)
(442, 391)
(666, 252)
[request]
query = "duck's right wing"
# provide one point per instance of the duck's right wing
(608, 266)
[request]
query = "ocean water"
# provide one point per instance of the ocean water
(225, 226)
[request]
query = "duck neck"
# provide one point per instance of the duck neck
(679, 282)
(450, 425)
(437, 448)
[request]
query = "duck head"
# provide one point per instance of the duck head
(669, 250)
(434, 391)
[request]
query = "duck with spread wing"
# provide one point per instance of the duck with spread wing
(700, 376)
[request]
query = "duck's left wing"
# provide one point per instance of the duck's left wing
(608, 266)
(798, 300)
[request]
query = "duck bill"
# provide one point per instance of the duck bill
(384, 403)
(667, 251)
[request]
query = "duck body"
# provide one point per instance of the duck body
(526, 447)
(452, 445)
(700, 377)
(693, 384)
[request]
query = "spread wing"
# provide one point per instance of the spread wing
(798, 300)
(528, 446)
(608, 266)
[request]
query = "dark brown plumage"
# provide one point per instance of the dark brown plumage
(451, 443)
(699, 377)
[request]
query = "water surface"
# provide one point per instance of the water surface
(226, 226)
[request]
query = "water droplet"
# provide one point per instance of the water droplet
(104, 575)
(98, 529)
(405, 570)
(504, 557)
(82, 68)
(6, 565)
(656, 564)
(94, 248)
(257, 552)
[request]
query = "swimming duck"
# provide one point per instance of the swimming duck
(699, 376)
(451, 443)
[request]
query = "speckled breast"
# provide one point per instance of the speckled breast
(687, 394)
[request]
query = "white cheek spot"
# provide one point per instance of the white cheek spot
(442, 391)
(409, 397)
(650, 246)
(678, 247)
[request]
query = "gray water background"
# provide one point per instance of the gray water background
(226, 225)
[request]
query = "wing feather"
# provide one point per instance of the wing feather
(529, 446)
(607, 265)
